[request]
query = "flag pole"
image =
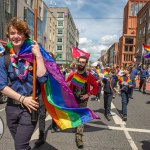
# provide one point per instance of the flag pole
(34, 116)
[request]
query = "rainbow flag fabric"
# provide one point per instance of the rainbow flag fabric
(146, 51)
(57, 96)
(146, 47)
(126, 79)
(78, 80)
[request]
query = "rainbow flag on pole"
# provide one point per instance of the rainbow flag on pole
(58, 98)
(146, 51)
(146, 47)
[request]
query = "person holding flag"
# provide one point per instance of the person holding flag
(20, 103)
(125, 83)
(58, 98)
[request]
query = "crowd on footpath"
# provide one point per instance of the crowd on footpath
(16, 76)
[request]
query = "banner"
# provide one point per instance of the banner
(76, 53)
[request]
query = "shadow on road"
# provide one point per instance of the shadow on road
(146, 145)
(148, 102)
(45, 146)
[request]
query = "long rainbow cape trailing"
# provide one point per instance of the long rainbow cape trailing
(58, 98)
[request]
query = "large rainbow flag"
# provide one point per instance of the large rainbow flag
(58, 98)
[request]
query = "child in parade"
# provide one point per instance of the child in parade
(109, 85)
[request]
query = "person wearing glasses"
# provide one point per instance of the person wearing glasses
(80, 82)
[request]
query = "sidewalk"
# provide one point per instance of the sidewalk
(147, 85)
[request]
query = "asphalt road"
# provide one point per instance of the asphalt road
(99, 134)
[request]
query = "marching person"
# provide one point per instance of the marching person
(81, 90)
(124, 91)
(143, 78)
(19, 86)
(133, 76)
(109, 84)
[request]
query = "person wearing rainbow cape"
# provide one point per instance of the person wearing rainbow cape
(57, 96)
(80, 82)
(19, 87)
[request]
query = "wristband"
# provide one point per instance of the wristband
(22, 101)
(20, 98)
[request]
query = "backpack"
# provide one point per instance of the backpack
(6, 57)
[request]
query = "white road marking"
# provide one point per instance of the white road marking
(119, 128)
(129, 138)
(116, 118)
(2, 109)
(122, 124)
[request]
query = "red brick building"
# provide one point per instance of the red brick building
(127, 41)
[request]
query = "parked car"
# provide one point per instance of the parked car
(3, 98)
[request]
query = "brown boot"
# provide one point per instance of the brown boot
(79, 141)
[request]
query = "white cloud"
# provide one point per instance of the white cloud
(109, 39)
(84, 40)
(91, 47)
(99, 24)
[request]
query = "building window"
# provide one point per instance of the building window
(40, 11)
(8, 6)
(59, 40)
(59, 56)
(129, 40)
(59, 47)
(27, 2)
(60, 15)
(140, 20)
(60, 31)
(60, 23)
(124, 57)
(31, 5)
(126, 48)
(130, 48)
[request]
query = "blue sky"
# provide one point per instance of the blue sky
(95, 34)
